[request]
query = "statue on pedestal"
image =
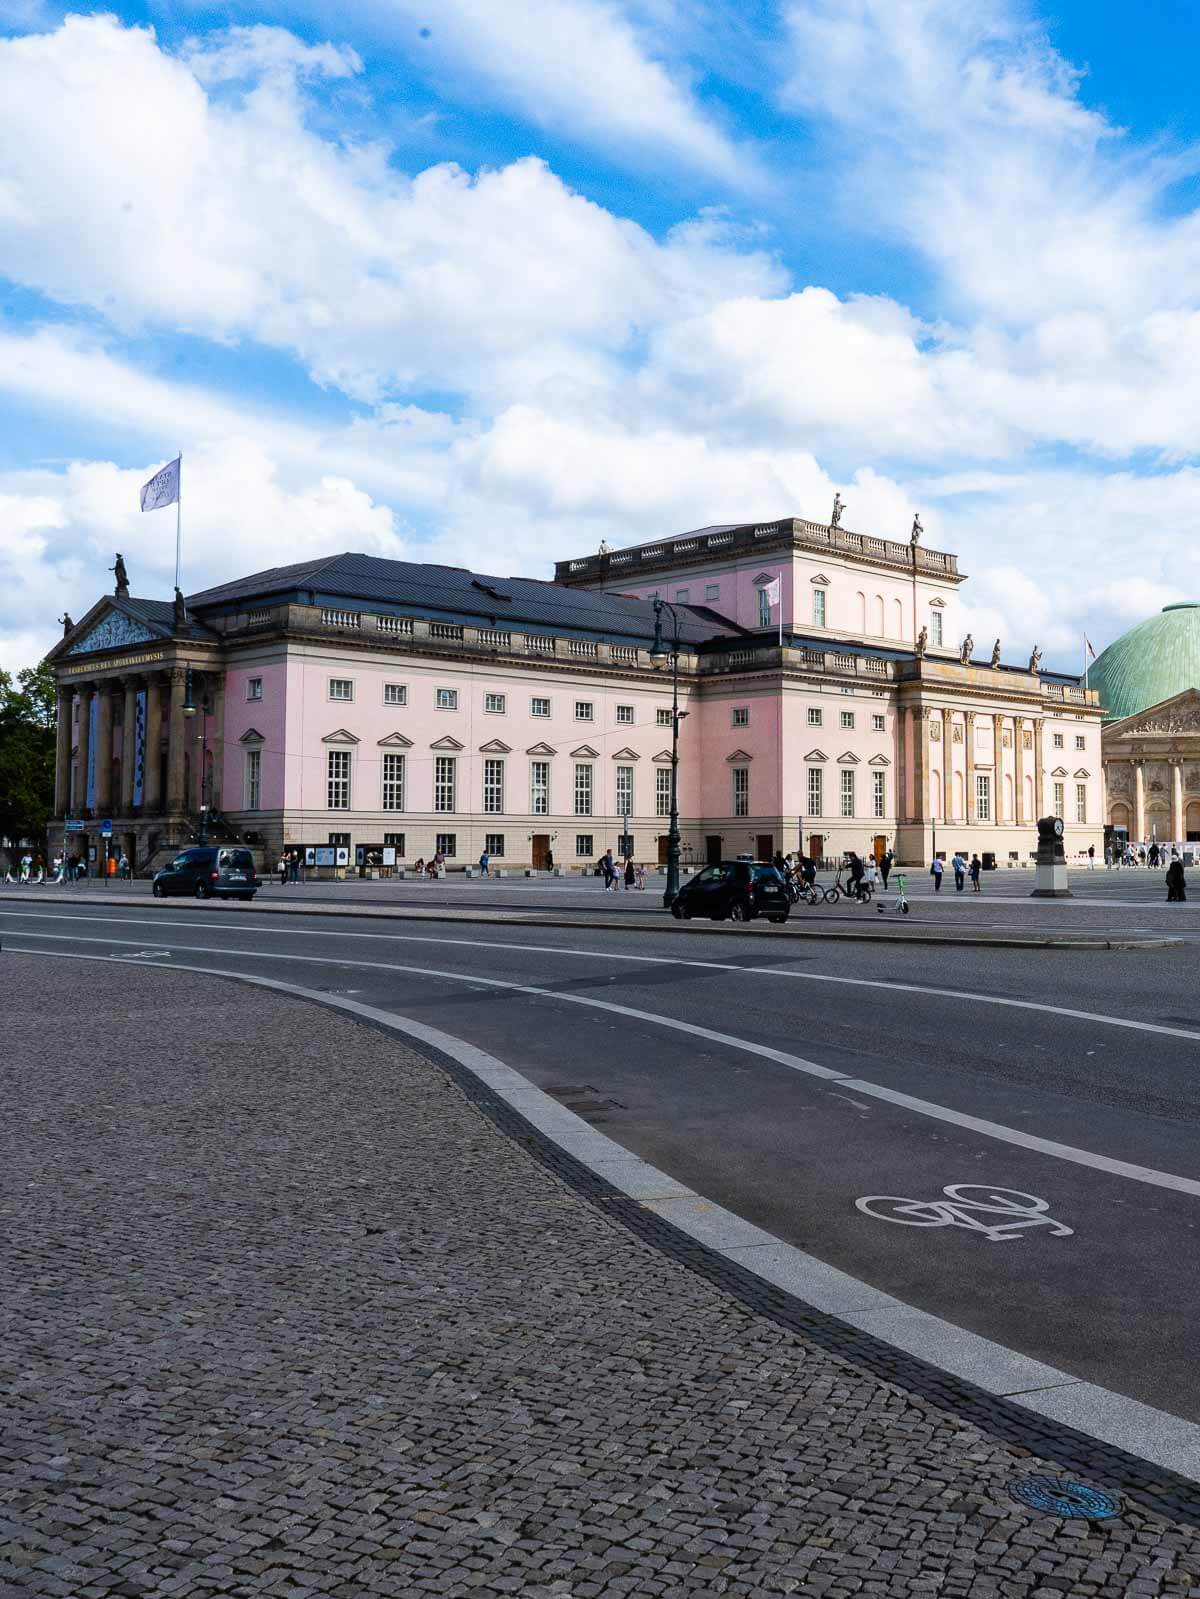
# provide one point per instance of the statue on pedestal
(922, 643)
(67, 623)
(964, 654)
(181, 615)
(914, 538)
(996, 653)
(835, 516)
(1035, 659)
(122, 577)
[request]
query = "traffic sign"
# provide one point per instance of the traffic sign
(106, 829)
(70, 826)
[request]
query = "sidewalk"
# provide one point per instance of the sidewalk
(289, 1312)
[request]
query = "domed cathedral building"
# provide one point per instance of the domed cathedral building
(1148, 682)
(828, 701)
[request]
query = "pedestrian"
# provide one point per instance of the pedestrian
(1176, 886)
(608, 871)
(549, 859)
(124, 867)
(1154, 854)
(856, 875)
(292, 866)
(641, 875)
(960, 871)
(26, 866)
(935, 871)
(484, 862)
(419, 868)
(630, 874)
(1091, 857)
(872, 874)
(885, 867)
(976, 868)
(282, 869)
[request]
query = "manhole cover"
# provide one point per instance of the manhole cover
(1058, 1496)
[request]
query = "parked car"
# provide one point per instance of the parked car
(224, 870)
(738, 889)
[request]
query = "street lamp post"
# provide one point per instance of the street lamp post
(190, 708)
(661, 655)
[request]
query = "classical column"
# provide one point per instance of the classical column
(176, 737)
(1039, 780)
(1019, 770)
(947, 768)
(104, 750)
(128, 746)
(1139, 802)
(969, 796)
(920, 764)
(998, 815)
(152, 777)
(62, 753)
(1176, 802)
(85, 691)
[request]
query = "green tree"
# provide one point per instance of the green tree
(27, 721)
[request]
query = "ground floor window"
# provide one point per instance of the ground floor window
(583, 789)
(394, 841)
(338, 780)
(1060, 798)
(539, 787)
(493, 843)
(1081, 802)
(879, 794)
(983, 799)
(583, 845)
(443, 783)
(253, 779)
(741, 791)
(662, 791)
(816, 794)
(847, 793)
(447, 844)
(339, 840)
(393, 782)
(493, 787)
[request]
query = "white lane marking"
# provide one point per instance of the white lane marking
(962, 1204)
(796, 1063)
(1097, 1412)
(1100, 1017)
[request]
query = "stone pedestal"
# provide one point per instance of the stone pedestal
(1050, 872)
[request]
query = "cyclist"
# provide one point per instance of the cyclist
(857, 876)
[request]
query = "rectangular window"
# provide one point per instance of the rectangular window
(1081, 802)
(1080, 742)
(254, 688)
(539, 706)
(741, 791)
(625, 713)
(583, 710)
(395, 841)
(539, 788)
(847, 793)
(393, 781)
(395, 694)
(814, 716)
(879, 793)
(846, 718)
(447, 699)
(583, 845)
(338, 780)
(764, 608)
(662, 790)
(816, 791)
(818, 607)
(712, 591)
(494, 703)
(935, 627)
(253, 779)
(983, 799)
(879, 723)
(494, 843)
(624, 790)
(741, 716)
(1058, 741)
(341, 688)
(681, 596)
(662, 717)
(339, 840)
(443, 783)
(583, 788)
(447, 844)
(493, 787)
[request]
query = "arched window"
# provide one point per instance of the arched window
(897, 619)
(861, 600)
(877, 609)
(959, 808)
(935, 796)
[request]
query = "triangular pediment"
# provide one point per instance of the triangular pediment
(848, 758)
(820, 580)
(1179, 714)
(108, 626)
(1059, 771)
(541, 749)
(663, 758)
(879, 760)
(627, 755)
(739, 756)
(447, 742)
(816, 755)
(585, 752)
(251, 736)
(495, 746)
(765, 577)
(341, 736)
(395, 741)
(1083, 772)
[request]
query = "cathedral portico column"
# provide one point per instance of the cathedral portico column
(85, 692)
(152, 778)
(1139, 801)
(62, 752)
(128, 745)
(1176, 801)
(1019, 769)
(920, 764)
(1039, 776)
(176, 742)
(947, 768)
(104, 750)
(998, 815)
(969, 796)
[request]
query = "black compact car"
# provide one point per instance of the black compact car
(224, 870)
(738, 889)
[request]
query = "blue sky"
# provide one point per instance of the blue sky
(489, 280)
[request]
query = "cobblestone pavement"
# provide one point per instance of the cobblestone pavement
(286, 1313)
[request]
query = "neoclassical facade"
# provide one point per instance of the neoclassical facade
(383, 704)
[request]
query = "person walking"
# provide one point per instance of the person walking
(282, 869)
(1176, 885)
(630, 876)
(549, 859)
(960, 871)
(124, 867)
(641, 876)
(935, 871)
(885, 867)
(975, 868)
(872, 873)
(484, 865)
(1091, 857)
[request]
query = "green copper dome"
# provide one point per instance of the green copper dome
(1154, 661)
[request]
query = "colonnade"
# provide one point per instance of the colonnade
(165, 692)
(933, 729)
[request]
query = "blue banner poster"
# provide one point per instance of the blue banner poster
(93, 707)
(139, 745)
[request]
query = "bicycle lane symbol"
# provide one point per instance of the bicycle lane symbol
(964, 1205)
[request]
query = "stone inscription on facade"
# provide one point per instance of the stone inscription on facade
(109, 666)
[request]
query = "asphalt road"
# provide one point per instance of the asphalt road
(660, 1041)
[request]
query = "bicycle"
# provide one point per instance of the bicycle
(962, 1206)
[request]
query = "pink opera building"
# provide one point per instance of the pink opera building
(361, 702)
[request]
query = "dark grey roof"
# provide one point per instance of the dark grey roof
(420, 588)
(161, 614)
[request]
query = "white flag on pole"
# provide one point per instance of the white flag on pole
(163, 487)
(771, 590)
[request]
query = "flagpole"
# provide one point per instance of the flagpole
(178, 518)
(779, 580)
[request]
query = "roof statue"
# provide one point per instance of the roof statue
(67, 623)
(996, 653)
(835, 516)
(964, 654)
(1035, 658)
(181, 615)
(914, 538)
(122, 577)
(922, 643)
(603, 547)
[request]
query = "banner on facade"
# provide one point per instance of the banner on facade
(92, 718)
(139, 746)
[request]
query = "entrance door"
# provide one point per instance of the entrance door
(816, 846)
(765, 847)
(664, 845)
(541, 848)
(879, 847)
(712, 849)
